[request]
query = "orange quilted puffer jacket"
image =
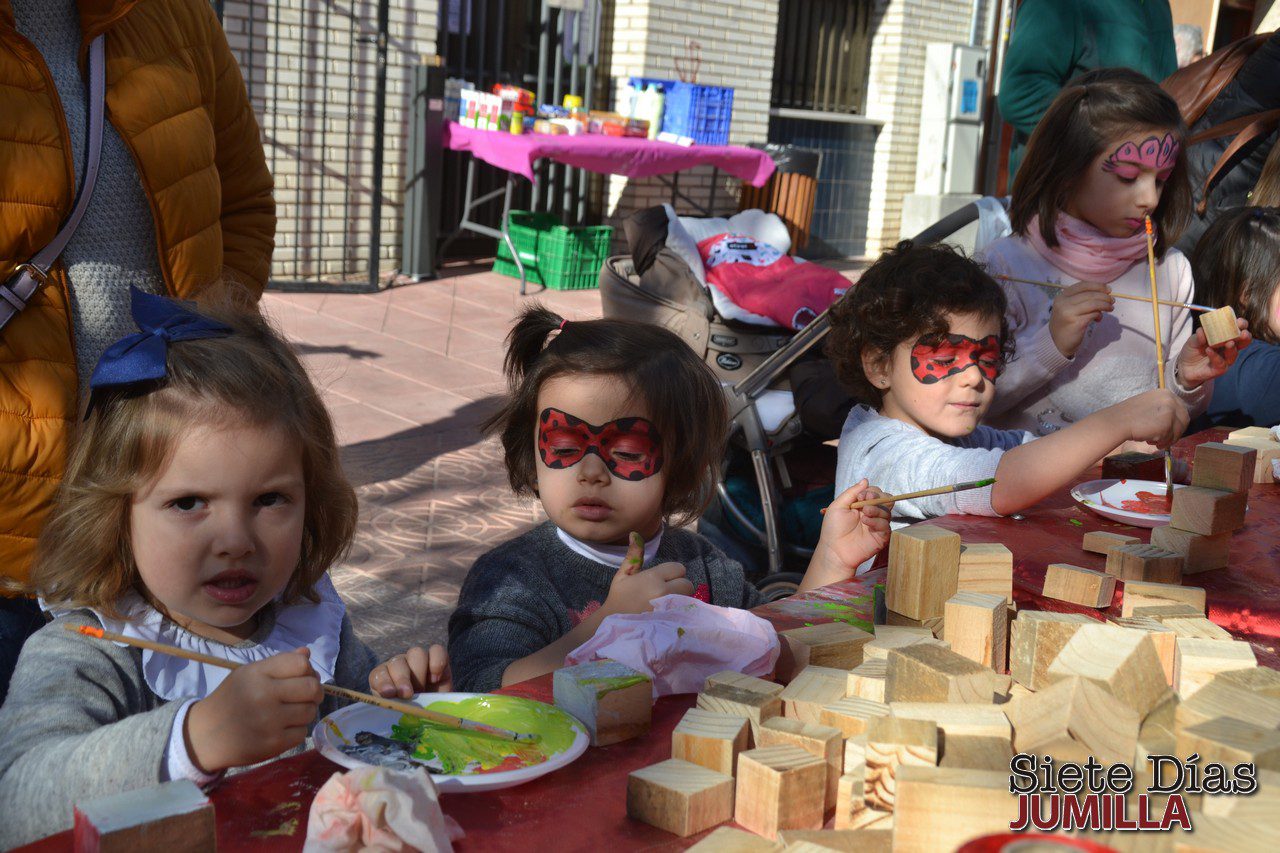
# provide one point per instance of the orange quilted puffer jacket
(176, 97)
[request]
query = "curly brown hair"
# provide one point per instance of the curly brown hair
(908, 294)
(682, 393)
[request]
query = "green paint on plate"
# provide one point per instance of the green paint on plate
(473, 752)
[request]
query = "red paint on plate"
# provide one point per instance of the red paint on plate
(1147, 503)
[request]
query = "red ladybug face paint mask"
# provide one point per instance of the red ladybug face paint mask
(631, 448)
(952, 354)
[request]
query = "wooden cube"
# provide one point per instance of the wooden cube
(851, 796)
(832, 644)
(933, 624)
(1227, 467)
(1220, 325)
(924, 565)
(1251, 433)
(1261, 680)
(1145, 563)
(680, 797)
(1196, 627)
(780, 787)
(1078, 585)
(976, 626)
(867, 681)
(985, 567)
(1207, 511)
(710, 740)
(1035, 640)
(1102, 541)
(1164, 612)
(825, 742)
(933, 674)
(1072, 719)
(976, 753)
(1268, 450)
(1230, 742)
(741, 695)
(1196, 661)
(1199, 553)
(1219, 697)
(852, 714)
(170, 816)
(896, 637)
(819, 840)
(729, 839)
(813, 688)
(954, 720)
(1144, 594)
(1163, 638)
(1124, 662)
(612, 700)
(1262, 804)
(892, 742)
(942, 808)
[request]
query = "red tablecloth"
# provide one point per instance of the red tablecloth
(583, 806)
(608, 155)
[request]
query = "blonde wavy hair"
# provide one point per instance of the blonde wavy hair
(85, 558)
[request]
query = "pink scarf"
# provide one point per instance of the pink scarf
(1086, 253)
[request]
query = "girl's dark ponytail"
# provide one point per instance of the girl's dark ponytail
(526, 341)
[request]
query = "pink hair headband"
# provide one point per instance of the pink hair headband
(1152, 152)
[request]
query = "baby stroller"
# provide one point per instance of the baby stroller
(777, 472)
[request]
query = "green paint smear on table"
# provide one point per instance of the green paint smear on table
(845, 612)
(472, 752)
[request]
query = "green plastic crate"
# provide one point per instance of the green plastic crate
(557, 256)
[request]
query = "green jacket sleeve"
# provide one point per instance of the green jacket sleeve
(1043, 51)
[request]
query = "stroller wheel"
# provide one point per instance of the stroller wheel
(779, 585)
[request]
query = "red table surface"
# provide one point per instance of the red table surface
(584, 805)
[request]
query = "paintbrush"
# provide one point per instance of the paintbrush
(1188, 305)
(446, 720)
(1155, 316)
(942, 490)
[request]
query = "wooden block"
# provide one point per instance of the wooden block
(710, 740)
(1220, 325)
(1036, 639)
(924, 565)
(941, 808)
(892, 742)
(1219, 697)
(1164, 639)
(833, 644)
(1268, 450)
(826, 742)
(1262, 804)
(976, 753)
(1228, 835)
(851, 714)
(741, 695)
(612, 700)
(1144, 563)
(779, 787)
(1134, 466)
(976, 626)
(955, 720)
(1199, 553)
(1230, 742)
(1145, 594)
(170, 816)
(728, 839)
(1073, 719)
(933, 624)
(1102, 541)
(1124, 662)
(1156, 736)
(1208, 511)
(1251, 433)
(933, 674)
(679, 797)
(851, 796)
(867, 681)
(1197, 628)
(1196, 661)
(1164, 612)
(1228, 467)
(986, 567)
(844, 841)
(1261, 680)
(1077, 585)
(896, 637)
(855, 751)
(811, 690)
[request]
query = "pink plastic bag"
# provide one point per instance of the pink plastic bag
(682, 641)
(379, 809)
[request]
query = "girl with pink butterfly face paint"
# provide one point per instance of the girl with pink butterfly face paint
(1106, 158)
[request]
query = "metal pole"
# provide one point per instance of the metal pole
(418, 257)
(544, 43)
(379, 115)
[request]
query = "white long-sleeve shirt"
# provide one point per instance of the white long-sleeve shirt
(1041, 390)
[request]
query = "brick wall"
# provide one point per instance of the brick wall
(311, 76)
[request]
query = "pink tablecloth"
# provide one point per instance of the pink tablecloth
(608, 155)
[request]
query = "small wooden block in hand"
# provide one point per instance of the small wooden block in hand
(985, 567)
(1101, 541)
(1035, 640)
(1220, 326)
(813, 688)
(741, 695)
(891, 742)
(924, 565)
(1145, 562)
(614, 701)
(1226, 467)
(1122, 661)
(1144, 594)
(171, 816)
(1078, 585)
(826, 742)
(1199, 553)
(679, 797)
(1073, 719)
(780, 787)
(941, 808)
(976, 624)
(1207, 511)
(710, 740)
(934, 674)
(833, 644)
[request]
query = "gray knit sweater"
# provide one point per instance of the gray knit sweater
(81, 722)
(115, 245)
(524, 595)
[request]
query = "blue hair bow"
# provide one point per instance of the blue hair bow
(142, 357)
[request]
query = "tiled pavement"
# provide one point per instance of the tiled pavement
(408, 374)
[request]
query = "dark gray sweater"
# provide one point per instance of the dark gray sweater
(527, 593)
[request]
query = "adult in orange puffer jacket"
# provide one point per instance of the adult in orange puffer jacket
(183, 197)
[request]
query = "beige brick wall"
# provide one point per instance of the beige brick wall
(311, 76)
